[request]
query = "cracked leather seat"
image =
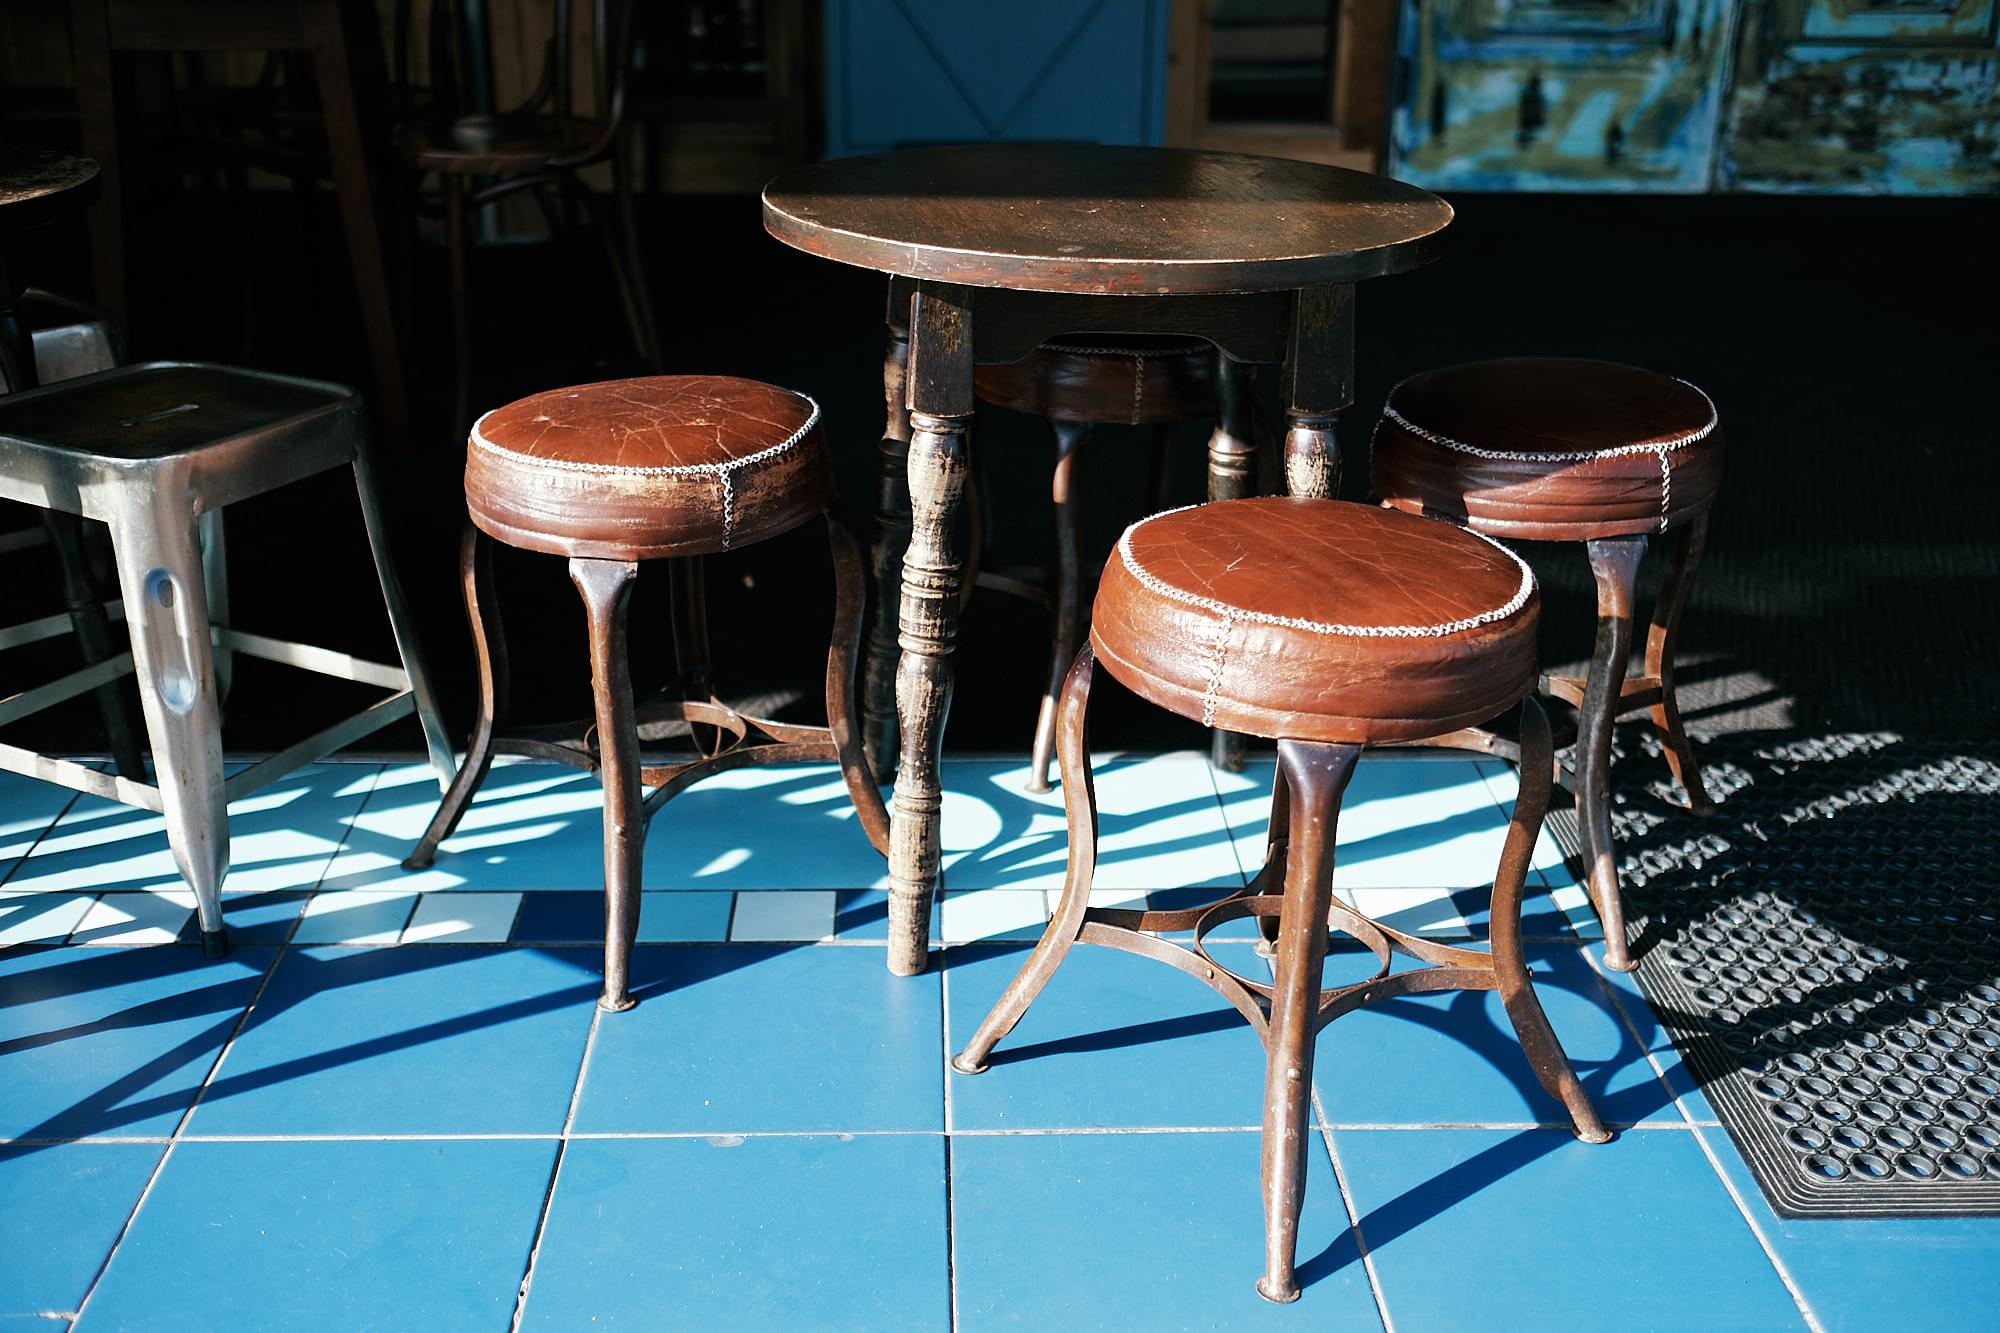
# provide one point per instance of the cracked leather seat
(642, 468)
(1317, 620)
(1549, 449)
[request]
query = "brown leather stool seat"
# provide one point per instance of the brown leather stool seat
(1317, 620)
(641, 468)
(1134, 379)
(1326, 627)
(1549, 449)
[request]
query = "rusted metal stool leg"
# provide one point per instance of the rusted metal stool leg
(1510, 965)
(1080, 805)
(402, 625)
(891, 539)
(1615, 563)
(1316, 775)
(850, 590)
(1067, 633)
(1661, 637)
(489, 647)
(1232, 475)
(606, 586)
(166, 608)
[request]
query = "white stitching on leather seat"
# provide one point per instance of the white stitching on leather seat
(722, 472)
(1153, 583)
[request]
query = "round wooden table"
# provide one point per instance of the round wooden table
(992, 250)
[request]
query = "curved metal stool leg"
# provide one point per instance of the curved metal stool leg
(489, 647)
(402, 626)
(1615, 563)
(849, 593)
(1067, 635)
(1080, 805)
(1661, 638)
(1316, 775)
(606, 586)
(1510, 965)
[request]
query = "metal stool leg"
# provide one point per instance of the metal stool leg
(1080, 804)
(1510, 965)
(1615, 562)
(1067, 634)
(1661, 637)
(166, 608)
(215, 577)
(1317, 776)
(606, 586)
(850, 592)
(489, 646)
(409, 647)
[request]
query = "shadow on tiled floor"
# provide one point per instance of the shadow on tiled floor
(320, 1132)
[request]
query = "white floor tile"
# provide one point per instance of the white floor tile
(993, 914)
(136, 918)
(463, 918)
(792, 915)
(355, 917)
(38, 918)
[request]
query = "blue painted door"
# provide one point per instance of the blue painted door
(970, 71)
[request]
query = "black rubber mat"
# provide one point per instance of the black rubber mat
(1825, 950)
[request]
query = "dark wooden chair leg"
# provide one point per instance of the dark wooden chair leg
(1232, 475)
(1615, 563)
(850, 591)
(457, 241)
(1510, 965)
(628, 226)
(606, 586)
(885, 558)
(1661, 638)
(1067, 633)
(93, 639)
(1080, 806)
(1316, 775)
(489, 647)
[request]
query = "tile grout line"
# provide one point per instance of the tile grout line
(180, 1126)
(950, 1203)
(1792, 1287)
(42, 837)
(555, 1172)
(1352, 1208)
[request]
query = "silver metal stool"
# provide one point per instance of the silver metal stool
(149, 450)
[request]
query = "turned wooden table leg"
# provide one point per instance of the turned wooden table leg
(885, 556)
(1661, 637)
(1319, 383)
(1232, 475)
(1615, 563)
(941, 407)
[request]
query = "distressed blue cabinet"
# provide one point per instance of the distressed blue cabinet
(963, 71)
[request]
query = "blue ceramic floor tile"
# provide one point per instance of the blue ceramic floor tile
(27, 809)
(1113, 1041)
(60, 1210)
(335, 1236)
(787, 1233)
(416, 1040)
(560, 918)
(1452, 1057)
(1639, 1012)
(41, 918)
(282, 837)
(1159, 826)
(540, 826)
(1139, 1231)
(1859, 1275)
(1485, 1229)
(742, 1039)
(113, 1042)
(863, 914)
(1404, 823)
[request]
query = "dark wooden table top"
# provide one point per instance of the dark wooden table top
(1093, 219)
(39, 186)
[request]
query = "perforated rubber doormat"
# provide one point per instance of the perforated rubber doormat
(1825, 951)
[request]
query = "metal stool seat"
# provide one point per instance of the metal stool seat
(1325, 627)
(611, 474)
(149, 450)
(1554, 449)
